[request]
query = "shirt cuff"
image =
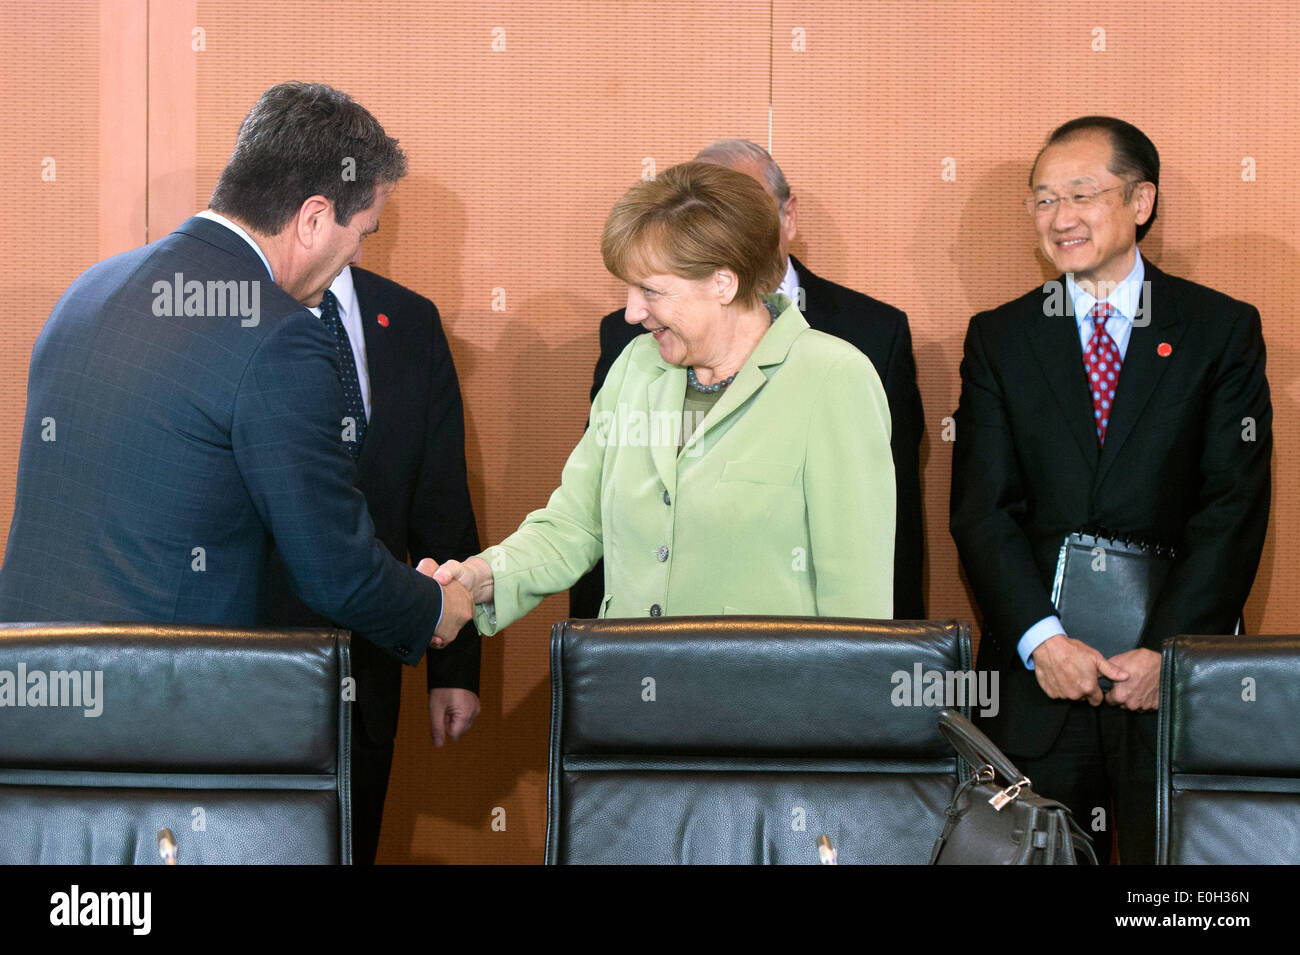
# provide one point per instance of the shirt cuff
(442, 605)
(1039, 633)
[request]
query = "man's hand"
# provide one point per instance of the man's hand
(451, 713)
(474, 575)
(1067, 669)
(457, 606)
(1140, 692)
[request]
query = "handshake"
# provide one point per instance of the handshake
(463, 586)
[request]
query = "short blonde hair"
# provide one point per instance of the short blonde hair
(692, 220)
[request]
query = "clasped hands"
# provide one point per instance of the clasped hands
(1068, 669)
(463, 586)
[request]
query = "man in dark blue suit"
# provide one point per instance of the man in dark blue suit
(185, 412)
(877, 330)
(411, 469)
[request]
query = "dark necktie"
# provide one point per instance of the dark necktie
(356, 408)
(1102, 364)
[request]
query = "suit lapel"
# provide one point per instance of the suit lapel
(1055, 342)
(665, 396)
(771, 350)
(1143, 366)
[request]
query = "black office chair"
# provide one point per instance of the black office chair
(231, 745)
(742, 739)
(1229, 760)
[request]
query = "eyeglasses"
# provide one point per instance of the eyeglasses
(1043, 206)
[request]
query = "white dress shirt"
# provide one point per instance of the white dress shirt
(350, 315)
(790, 284)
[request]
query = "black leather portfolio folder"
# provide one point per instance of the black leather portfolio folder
(1105, 587)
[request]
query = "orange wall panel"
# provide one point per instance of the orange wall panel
(50, 203)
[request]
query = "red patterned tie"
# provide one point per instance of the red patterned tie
(1102, 364)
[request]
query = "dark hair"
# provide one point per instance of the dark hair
(691, 220)
(302, 140)
(1133, 155)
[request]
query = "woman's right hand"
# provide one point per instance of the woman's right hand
(474, 575)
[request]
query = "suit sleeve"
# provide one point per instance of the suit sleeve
(442, 516)
(287, 442)
(908, 423)
(557, 544)
(989, 504)
(1208, 586)
(849, 490)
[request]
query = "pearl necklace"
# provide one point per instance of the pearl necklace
(707, 389)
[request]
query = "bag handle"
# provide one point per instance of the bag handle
(976, 748)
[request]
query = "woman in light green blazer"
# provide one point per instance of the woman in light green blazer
(736, 461)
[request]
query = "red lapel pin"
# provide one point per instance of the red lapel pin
(1164, 349)
(383, 320)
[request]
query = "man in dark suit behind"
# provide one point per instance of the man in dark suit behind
(878, 330)
(1116, 397)
(411, 468)
(185, 411)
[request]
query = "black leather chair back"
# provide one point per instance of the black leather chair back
(742, 739)
(234, 740)
(1229, 762)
